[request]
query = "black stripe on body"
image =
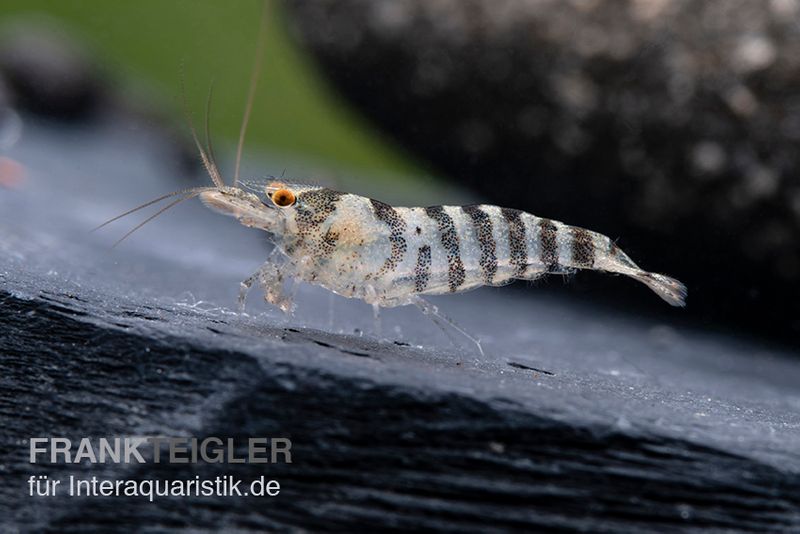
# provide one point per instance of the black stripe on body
(484, 233)
(517, 244)
(313, 208)
(613, 250)
(582, 248)
(397, 226)
(549, 244)
(422, 272)
(449, 238)
(328, 244)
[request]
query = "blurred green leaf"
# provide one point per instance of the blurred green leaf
(295, 112)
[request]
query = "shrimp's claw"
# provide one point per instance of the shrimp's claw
(671, 290)
(273, 277)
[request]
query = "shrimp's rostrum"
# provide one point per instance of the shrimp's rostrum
(390, 256)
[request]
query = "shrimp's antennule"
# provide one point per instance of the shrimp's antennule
(207, 152)
(251, 94)
(209, 145)
(208, 163)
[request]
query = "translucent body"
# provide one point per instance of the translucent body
(389, 256)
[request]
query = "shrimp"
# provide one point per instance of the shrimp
(358, 247)
(362, 248)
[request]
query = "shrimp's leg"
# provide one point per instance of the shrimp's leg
(331, 305)
(373, 299)
(244, 288)
(273, 282)
(376, 316)
(442, 321)
(272, 277)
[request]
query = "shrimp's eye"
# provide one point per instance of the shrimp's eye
(283, 198)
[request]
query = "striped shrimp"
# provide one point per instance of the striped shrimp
(389, 256)
(362, 248)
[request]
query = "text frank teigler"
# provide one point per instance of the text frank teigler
(156, 450)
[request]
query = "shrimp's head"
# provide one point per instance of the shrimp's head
(277, 207)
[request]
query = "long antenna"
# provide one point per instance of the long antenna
(262, 32)
(156, 214)
(190, 191)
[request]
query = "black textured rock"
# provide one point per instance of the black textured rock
(575, 419)
(671, 125)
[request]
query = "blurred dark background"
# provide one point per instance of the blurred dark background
(672, 126)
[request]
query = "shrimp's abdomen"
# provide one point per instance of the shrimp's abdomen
(450, 249)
